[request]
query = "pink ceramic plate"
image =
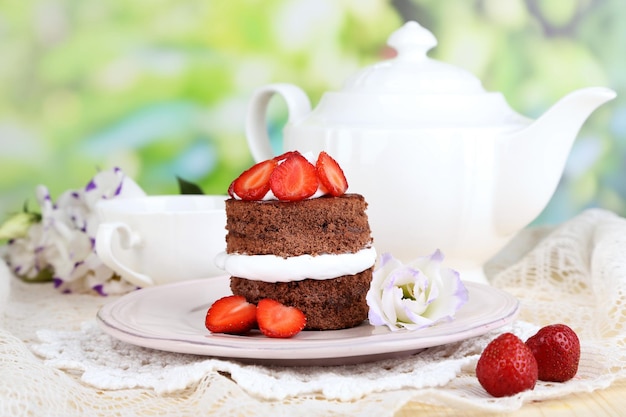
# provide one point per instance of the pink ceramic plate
(171, 318)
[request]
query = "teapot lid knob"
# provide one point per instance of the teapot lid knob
(411, 71)
(412, 41)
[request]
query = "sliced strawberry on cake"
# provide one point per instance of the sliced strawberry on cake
(331, 175)
(253, 183)
(294, 179)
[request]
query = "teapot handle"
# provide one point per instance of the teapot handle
(298, 106)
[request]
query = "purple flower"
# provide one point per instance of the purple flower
(62, 239)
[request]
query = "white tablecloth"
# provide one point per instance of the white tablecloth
(55, 361)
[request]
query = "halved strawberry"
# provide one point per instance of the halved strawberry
(278, 320)
(254, 183)
(331, 175)
(294, 179)
(231, 314)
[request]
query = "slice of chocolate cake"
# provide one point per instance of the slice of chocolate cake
(315, 226)
(315, 254)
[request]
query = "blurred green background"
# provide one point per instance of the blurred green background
(160, 87)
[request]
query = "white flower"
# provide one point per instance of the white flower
(416, 295)
(26, 257)
(62, 243)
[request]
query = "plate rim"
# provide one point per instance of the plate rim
(261, 348)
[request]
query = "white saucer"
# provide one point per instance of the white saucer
(171, 318)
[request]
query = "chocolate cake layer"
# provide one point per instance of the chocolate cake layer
(337, 303)
(315, 226)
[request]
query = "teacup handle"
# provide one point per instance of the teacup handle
(129, 240)
(298, 106)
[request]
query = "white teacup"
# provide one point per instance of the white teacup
(158, 240)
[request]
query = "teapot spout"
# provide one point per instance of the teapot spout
(569, 113)
(535, 157)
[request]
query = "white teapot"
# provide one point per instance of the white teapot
(442, 163)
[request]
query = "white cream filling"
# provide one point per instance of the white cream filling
(272, 268)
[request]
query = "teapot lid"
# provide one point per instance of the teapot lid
(412, 71)
(415, 90)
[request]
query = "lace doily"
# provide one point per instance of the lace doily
(54, 360)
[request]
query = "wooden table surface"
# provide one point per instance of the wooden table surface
(610, 402)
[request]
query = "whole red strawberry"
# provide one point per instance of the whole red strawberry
(506, 366)
(557, 351)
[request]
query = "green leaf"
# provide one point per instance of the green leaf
(45, 275)
(187, 187)
(17, 225)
